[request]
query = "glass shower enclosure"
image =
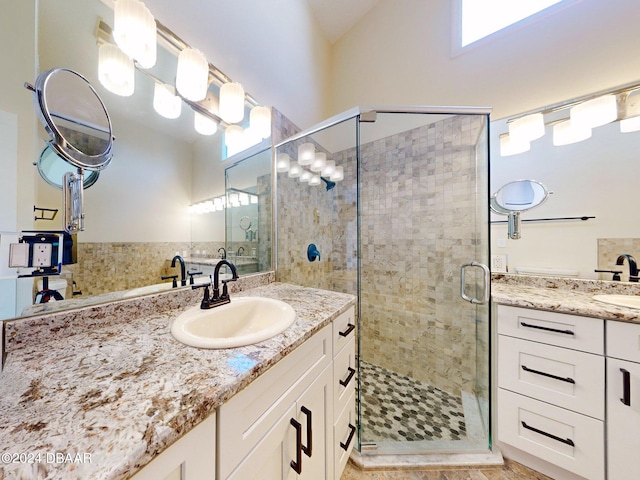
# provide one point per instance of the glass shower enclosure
(398, 215)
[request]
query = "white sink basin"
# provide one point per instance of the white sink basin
(244, 321)
(630, 301)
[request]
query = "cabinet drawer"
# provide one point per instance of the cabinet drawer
(623, 340)
(344, 436)
(567, 439)
(563, 377)
(344, 329)
(344, 376)
(250, 414)
(570, 331)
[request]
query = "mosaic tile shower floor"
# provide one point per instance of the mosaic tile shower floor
(398, 408)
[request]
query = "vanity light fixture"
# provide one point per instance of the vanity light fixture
(165, 101)
(337, 175)
(116, 70)
(527, 128)
(192, 77)
(135, 31)
(319, 162)
(260, 121)
(305, 176)
(566, 133)
(314, 180)
(306, 154)
(630, 125)
(204, 125)
(510, 146)
(232, 136)
(595, 112)
(232, 102)
(283, 161)
(294, 171)
(329, 168)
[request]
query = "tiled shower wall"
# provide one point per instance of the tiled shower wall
(418, 218)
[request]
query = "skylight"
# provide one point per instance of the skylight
(481, 18)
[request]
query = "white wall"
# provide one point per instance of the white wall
(400, 53)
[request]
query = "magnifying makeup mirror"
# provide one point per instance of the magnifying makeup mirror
(52, 168)
(515, 197)
(77, 121)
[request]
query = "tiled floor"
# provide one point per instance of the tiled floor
(398, 408)
(510, 471)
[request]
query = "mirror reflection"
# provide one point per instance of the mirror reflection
(586, 226)
(137, 214)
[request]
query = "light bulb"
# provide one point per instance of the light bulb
(192, 77)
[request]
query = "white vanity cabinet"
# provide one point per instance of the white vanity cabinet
(284, 424)
(190, 458)
(551, 375)
(623, 400)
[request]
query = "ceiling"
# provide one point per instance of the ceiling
(336, 17)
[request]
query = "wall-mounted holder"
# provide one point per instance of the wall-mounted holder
(312, 252)
(45, 213)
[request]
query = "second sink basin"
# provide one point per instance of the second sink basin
(630, 301)
(244, 321)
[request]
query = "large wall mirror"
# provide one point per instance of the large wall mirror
(137, 214)
(591, 216)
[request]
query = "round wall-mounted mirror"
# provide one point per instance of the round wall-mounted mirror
(74, 116)
(515, 197)
(52, 168)
(520, 195)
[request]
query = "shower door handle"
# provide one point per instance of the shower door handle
(485, 287)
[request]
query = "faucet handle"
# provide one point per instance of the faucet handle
(616, 273)
(191, 274)
(174, 284)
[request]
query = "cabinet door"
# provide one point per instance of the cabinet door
(271, 457)
(623, 419)
(315, 415)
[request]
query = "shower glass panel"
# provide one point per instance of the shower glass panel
(411, 210)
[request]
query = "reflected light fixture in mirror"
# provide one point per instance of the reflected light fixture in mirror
(283, 161)
(204, 125)
(165, 102)
(260, 121)
(306, 153)
(295, 170)
(527, 128)
(135, 31)
(329, 168)
(116, 70)
(319, 162)
(594, 113)
(630, 125)
(510, 146)
(192, 77)
(314, 180)
(337, 175)
(233, 136)
(566, 133)
(232, 102)
(305, 176)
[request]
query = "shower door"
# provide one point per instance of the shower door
(407, 210)
(423, 214)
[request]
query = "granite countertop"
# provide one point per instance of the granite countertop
(117, 390)
(563, 295)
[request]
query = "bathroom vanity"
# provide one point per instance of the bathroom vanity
(144, 406)
(568, 381)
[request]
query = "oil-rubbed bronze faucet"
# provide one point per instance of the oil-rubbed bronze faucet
(633, 266)
(217, 299)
